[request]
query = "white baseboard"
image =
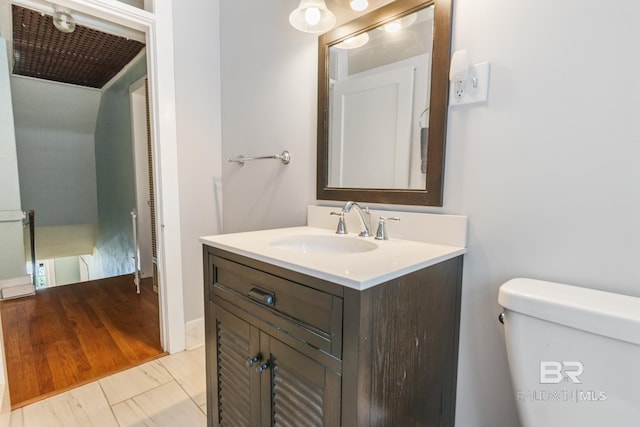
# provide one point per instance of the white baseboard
(194, 331)
(16, 287)
(18, 291)
(14, 281)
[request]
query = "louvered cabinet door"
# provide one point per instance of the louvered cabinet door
(238, 383)
(297, 391)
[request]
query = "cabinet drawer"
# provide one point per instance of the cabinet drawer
(314, 309)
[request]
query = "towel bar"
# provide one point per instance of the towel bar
(284, 156)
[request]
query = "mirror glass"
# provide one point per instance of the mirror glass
(378, 105)
(382, 98)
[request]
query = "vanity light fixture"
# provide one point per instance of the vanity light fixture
(469, 83)
(359, 5)
(63, 20)
(353, 42)
(312, 16)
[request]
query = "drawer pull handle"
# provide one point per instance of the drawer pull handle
(262, 296)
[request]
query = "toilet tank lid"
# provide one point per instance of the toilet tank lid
(604, 313)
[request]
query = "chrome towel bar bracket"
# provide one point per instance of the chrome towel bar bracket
(285, 157)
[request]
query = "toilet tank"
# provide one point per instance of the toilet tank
(574, 354)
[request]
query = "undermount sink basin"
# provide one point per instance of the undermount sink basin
(323, 244)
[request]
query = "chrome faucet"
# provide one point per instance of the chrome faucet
(363, 214)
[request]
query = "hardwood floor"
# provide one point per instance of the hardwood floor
(69, 335)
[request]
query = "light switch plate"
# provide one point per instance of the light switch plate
(471, 95)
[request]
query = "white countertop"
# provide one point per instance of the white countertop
(393, 258)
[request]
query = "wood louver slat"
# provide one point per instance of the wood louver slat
(85, 57)
(233, 378)
(296, 402)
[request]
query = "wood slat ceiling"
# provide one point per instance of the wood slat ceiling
(85, 57)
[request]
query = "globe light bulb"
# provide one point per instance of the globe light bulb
(312, 15)
(393, 27)
(354, 42)
(359, 4)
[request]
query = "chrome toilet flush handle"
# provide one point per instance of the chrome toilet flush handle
(381, 233)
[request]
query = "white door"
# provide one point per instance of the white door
(372, 119)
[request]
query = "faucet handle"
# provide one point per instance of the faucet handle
(381, 233)
(342, 228)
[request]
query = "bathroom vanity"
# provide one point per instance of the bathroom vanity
(330, 334)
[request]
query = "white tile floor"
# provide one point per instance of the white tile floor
(169, 391)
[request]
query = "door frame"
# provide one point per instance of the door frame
(158, 28)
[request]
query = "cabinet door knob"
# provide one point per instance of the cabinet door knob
(264, 366)
(253, 360)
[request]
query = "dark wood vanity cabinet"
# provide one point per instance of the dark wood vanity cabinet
(285, 348)
(262, 381)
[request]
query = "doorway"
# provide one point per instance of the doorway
(157, 25)
(73, 138)
(68, 327)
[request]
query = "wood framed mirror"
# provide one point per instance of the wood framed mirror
(383, 82)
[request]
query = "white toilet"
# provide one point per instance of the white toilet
(574, 354)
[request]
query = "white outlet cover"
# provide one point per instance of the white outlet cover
(473, 95)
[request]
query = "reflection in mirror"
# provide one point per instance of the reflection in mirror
(378, 105)
(140, 4)
(382, 100)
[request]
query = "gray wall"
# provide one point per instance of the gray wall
(115, 177)
(54, 124)
(58, 175)
(546, 170)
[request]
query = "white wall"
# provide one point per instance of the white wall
(12, 261)
(268, 105)
(547, 170)
(197, 68)
(9, 179)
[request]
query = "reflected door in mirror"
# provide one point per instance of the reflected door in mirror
(374, 132)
